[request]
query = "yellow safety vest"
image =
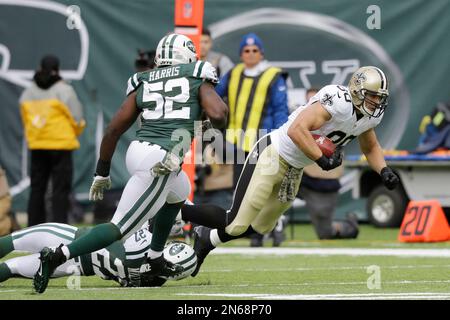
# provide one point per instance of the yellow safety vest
(247, 97)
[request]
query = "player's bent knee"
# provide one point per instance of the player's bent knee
(263, 229)
(116, 226)
(236, 230)
(179, 189)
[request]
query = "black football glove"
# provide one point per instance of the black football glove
(389, 178)
(332, 162)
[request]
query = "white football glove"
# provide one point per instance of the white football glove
(98, 185)
(169, 164)
(177, 228)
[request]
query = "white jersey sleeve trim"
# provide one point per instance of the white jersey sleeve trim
(132, 84)
(206, 71)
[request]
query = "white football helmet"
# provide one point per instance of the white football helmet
(180, 253)
(175, 49)
(369, 81)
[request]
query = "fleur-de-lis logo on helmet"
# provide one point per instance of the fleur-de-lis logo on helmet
(360, 77)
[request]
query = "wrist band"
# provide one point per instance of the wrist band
(103, 168)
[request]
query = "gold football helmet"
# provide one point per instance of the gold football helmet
(365, 85)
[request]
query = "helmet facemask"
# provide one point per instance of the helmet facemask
(369, 107)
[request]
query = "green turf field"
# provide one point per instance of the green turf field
(263, 274)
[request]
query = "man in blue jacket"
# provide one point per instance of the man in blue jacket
(256, 94)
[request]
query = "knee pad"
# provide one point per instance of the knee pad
(180, 188)
(236, 230)
(263, 229)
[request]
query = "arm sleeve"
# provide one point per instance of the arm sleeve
(132, 84)
(278, 106)
(222, 86)
(74, 104)
(205, 71)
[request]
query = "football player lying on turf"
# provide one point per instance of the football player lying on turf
(121, 261)
(272, 172)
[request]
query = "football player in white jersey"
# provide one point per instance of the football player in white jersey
(273, 170)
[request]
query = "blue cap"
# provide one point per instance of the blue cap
(249, 40)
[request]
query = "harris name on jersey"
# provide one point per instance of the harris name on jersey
(163, 73)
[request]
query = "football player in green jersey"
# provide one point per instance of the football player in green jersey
(120, 262)
(168, 99)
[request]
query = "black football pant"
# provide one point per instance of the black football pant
(46, 165)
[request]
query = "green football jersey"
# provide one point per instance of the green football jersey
(169, 99)
(121, 260)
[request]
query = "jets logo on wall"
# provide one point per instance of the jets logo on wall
(19, 59)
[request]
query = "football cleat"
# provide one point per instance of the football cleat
(202, 246)
(256, 240)
(352, 219)
(50, 260)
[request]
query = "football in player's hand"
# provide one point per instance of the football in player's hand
(326, 145)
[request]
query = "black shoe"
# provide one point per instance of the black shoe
(159, 267)
(278, 232)
(352, 219)
(278, 238)
(50, 260)
(256, 240)
(202, 246)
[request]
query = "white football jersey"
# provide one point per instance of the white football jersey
(341, 128)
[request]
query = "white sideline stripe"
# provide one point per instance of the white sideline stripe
(316, 284)
(360, 296)
(435, 253)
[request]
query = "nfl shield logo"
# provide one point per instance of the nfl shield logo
(187, 9)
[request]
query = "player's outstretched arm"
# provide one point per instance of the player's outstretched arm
(372, 150)
(212, 103)
(310, 119)
(369, 145)
(121, 122)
